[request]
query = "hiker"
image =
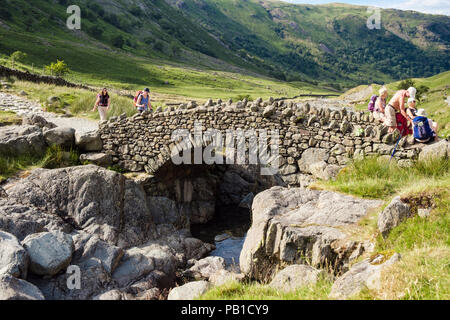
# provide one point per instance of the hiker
(397, 107)
(380, 105)
(102, 104)
(142, 100)
(411, 109)
(424, 129)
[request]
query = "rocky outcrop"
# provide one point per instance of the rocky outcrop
(13, 257)
(22, 140)
(295, 277)
(60, 136)
(99, 159)
(49, 252)
(89, 141)
(437, 150)
(365, 274)
(12, 288)
(189, 291)
(393, 215)
(205, 268)
(102, 223)
(301, 226)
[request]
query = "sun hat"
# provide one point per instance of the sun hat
(412, 92)
(411, 100)
(421, 112)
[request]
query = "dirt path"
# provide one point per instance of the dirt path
(23, 107)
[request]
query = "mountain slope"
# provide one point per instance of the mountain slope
(329, 44)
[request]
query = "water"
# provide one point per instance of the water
(231, 224)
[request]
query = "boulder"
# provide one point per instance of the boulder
(99, 201)
(365, 274)
(311, 156)
(189, 291)
(36, 120)
(324, 171)
(204, 268)
(22, 140)
(301, 226)
(50, 252)
(437, 150)
(393, 215)
(295, 276)
(13, 257)
(88, 141)
(12, 288)
(60, 136)
(223, 276)
(99, 159)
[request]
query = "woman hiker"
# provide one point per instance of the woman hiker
(102, 104)
(143, 101)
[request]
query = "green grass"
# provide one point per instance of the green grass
(255, 291)
(54, 157)
(376, 178)
(9, 118)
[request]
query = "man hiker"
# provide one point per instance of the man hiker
(397, 105)
(143, 100)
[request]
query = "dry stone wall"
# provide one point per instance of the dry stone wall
(316, 141)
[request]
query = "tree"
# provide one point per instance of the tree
(95, 31)
(421, 89)
(158, 45)
(17, 56)
(174, 49)
(118, 41)
(59, 68)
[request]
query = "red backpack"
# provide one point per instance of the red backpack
(136, 97)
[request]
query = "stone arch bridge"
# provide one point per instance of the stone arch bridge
(317, 141)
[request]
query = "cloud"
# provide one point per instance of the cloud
(427, 6)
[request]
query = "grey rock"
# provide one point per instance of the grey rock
(60, 136)
(12, 288)
(13, 257)
(299, 226)
(204, 268)
(295, 276)
(311, 156)
(366, 274)
(269, 111)
(36, 120)
(88, 141)
(322, 170)
(22, 140)
(437, 150)
(393, 215)
(189, 291)
(99, 159)
(223, 276)
(49, 252)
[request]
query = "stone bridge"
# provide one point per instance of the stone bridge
(317, 141)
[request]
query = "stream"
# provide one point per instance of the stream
(227, 230)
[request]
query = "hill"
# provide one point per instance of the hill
(124, 41)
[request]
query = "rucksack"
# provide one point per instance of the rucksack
(136, 97)
(422, 130)
(371, 105)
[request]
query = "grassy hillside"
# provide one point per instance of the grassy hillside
(126, 42)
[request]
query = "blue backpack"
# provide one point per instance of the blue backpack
(422, 130)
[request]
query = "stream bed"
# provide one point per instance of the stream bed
(227, 231)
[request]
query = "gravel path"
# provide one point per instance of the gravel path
(24, 107)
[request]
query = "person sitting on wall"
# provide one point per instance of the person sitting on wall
(380, 105)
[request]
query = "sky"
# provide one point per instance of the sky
(427, 6)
